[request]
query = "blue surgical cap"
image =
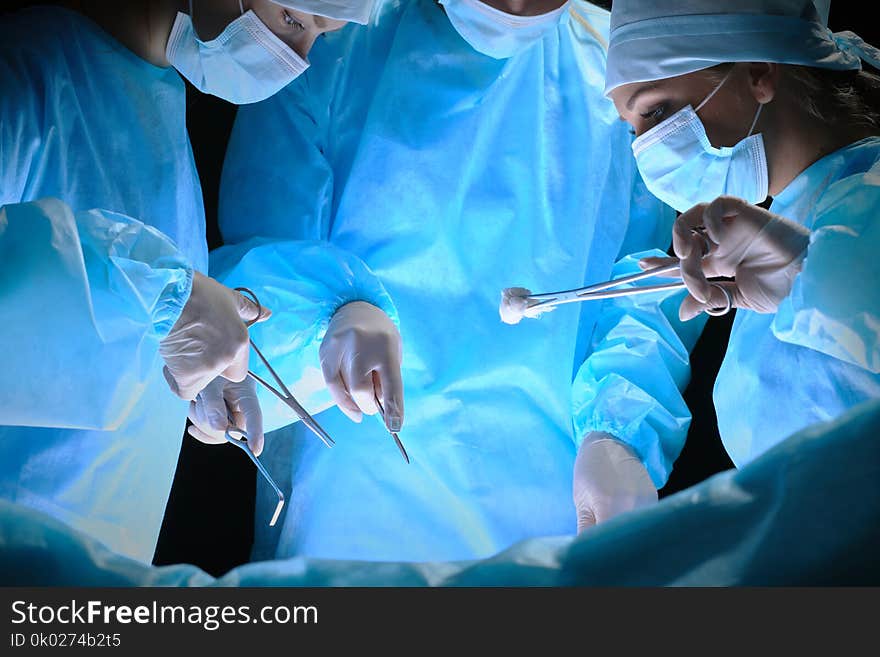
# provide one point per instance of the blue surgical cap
(658, 39)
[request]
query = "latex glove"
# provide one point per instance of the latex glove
(209, 338)
(609, 479)
(210, 412)
(761, 250)
(514, 305)
(360, 358)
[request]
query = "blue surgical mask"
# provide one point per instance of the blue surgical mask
(496, 33)
(245, 64)
(681, 167)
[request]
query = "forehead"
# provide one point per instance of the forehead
(625, 96)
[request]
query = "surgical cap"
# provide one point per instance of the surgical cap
(355, 11)
(658, 39)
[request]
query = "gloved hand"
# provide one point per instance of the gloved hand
(209, 338)
(609, 479)
(761, 250)
(360, 357)
(220, 399)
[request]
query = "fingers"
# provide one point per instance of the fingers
(362, 390)
(237, 368)
(391, 392)
(189, 388)
(653, 262)
(718, 214)
(716, 298)
(683, 239)
(248, 412)
(203, 437)
(210, 410)
(694, 277)
(249, 311)
(339, 392)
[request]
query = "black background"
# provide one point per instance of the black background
(209, 518)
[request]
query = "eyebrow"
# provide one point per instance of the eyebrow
(638, 92)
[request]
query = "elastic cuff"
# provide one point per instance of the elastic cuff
(170, 304)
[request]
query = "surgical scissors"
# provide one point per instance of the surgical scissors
(283, 394)
(604, 291)
(242, 444)
(393, 433)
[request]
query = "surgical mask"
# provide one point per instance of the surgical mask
(681, 167)
(245, 64)
(496, 33)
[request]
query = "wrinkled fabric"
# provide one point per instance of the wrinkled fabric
(92, 432)
(630, 386)
(819, 355)
(452, 176)
(659, 39)
(805, 513)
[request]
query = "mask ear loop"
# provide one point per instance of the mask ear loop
(755, 122)
(714, 91)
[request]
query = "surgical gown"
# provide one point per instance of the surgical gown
(101, 225)
(452, 175)
(819, 355)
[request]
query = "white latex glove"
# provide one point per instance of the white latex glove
(609, 479)
(360, 358)
(761, 250)
(210, 412)
(515, 305)
(209, 338)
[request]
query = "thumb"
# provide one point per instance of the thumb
(210, 408)
(249, 406)
(391, 392)
(249, 311)
(654, 261)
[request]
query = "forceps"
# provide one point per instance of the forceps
(604, 291)
(393, 434)
(242, 444)
(283, 393)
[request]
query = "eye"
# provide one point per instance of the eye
(655, 114)
(290, 20)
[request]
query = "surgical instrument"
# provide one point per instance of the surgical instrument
(283, 393)
(242, 444)
(604, 291)
(393, 433)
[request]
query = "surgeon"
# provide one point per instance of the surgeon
(447, 145)
(761, 98)
(102, 235)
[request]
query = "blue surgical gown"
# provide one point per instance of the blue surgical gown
(452, 175)
(807, 512)
(98, 270)
(819, 354)
(101, 225)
